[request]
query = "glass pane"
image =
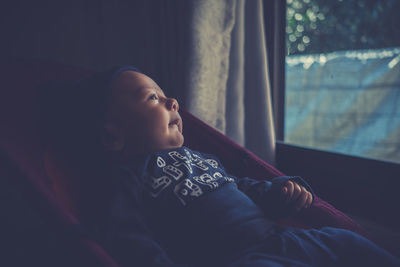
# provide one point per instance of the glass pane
(343, 76)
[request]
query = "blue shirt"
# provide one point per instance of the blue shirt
(183, 203)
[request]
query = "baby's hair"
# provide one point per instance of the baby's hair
(73, 112)
(72, 116)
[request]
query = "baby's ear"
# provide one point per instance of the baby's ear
(113, 139)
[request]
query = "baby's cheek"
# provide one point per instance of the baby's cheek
(159, 135)
(177, 138)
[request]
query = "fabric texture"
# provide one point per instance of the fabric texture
(316, 247)
(204, 216)
(21, 146)
(229, 86)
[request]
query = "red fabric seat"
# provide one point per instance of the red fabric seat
(53, 180)
(20, 142)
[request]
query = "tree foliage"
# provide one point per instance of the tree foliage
(320, 26)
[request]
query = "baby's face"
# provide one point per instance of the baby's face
(145, 118)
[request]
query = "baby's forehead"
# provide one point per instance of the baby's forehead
(135, 82)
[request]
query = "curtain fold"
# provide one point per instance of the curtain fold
(211, 28)
(229, 86)
(259, 122)
(235, 110)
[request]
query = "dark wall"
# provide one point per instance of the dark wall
(99, 34)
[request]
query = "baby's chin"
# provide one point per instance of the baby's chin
(177, 146)
(176, 143)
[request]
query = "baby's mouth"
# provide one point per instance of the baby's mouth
(175, 122)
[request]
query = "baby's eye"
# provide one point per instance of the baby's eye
(153, 97)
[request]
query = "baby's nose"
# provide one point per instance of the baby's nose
(172, 104)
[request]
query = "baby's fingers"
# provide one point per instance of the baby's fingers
(288, 189)
(297, 191)
(309, 200)
(302, 200)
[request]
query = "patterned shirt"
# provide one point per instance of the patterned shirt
(189, 199)
(185, 174)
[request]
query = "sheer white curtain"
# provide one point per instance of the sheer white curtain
(228, 84)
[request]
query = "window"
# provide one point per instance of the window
(342, 82)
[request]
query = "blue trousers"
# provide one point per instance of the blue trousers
(323, 247)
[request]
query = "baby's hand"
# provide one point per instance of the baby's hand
(297, 195)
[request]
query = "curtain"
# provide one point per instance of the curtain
(210, 55)
(228, 86)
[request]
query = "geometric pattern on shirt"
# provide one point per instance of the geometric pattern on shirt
(188, 160)
(159, 184)
(171, 170)
(186, 189)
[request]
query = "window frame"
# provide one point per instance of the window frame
(359, 186)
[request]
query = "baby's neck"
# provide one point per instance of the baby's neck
(127, 156)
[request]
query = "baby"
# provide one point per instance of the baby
(171, 205)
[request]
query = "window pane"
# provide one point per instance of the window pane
(343, 76)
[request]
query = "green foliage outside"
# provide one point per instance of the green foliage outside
(320, 26)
